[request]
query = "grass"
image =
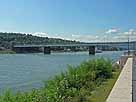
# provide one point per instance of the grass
(7, 52)
(102, 92)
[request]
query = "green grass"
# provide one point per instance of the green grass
(102, 92)
(7, 52)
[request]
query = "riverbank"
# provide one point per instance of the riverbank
(76, 84)
(7, 52)
(102, 92)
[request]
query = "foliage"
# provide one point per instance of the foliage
(7, 39)
(7, 52)
(74, 85)
(102, 92)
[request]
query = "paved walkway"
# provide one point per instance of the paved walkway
(122, 90)
(134, 79)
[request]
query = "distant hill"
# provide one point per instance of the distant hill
(7, 39)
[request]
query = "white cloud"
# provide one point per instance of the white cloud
(117, 37)
(123, 36)
(131, 32)
(112, 30)
(84, 38)
(40, 34)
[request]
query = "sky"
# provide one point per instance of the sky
(82, 20)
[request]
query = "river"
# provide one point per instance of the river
(23, 72)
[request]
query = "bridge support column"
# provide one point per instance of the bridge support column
(91, 50)
(47, 50)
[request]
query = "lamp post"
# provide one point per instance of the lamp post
(128, 45)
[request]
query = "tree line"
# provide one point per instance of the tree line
(7, 39)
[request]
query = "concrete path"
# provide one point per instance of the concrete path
(122, 90)
(134, 79)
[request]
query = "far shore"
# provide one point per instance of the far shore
(7, 52)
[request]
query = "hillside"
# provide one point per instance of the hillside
(7, 39)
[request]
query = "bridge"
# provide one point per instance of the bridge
(47, 48)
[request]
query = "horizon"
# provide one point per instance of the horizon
(100, 41)
(80, 20)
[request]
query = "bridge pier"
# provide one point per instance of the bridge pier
(91, 50)
(47, 50)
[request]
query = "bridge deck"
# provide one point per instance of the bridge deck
(80, 44)
(56, 45)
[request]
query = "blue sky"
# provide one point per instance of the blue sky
(67, 17)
